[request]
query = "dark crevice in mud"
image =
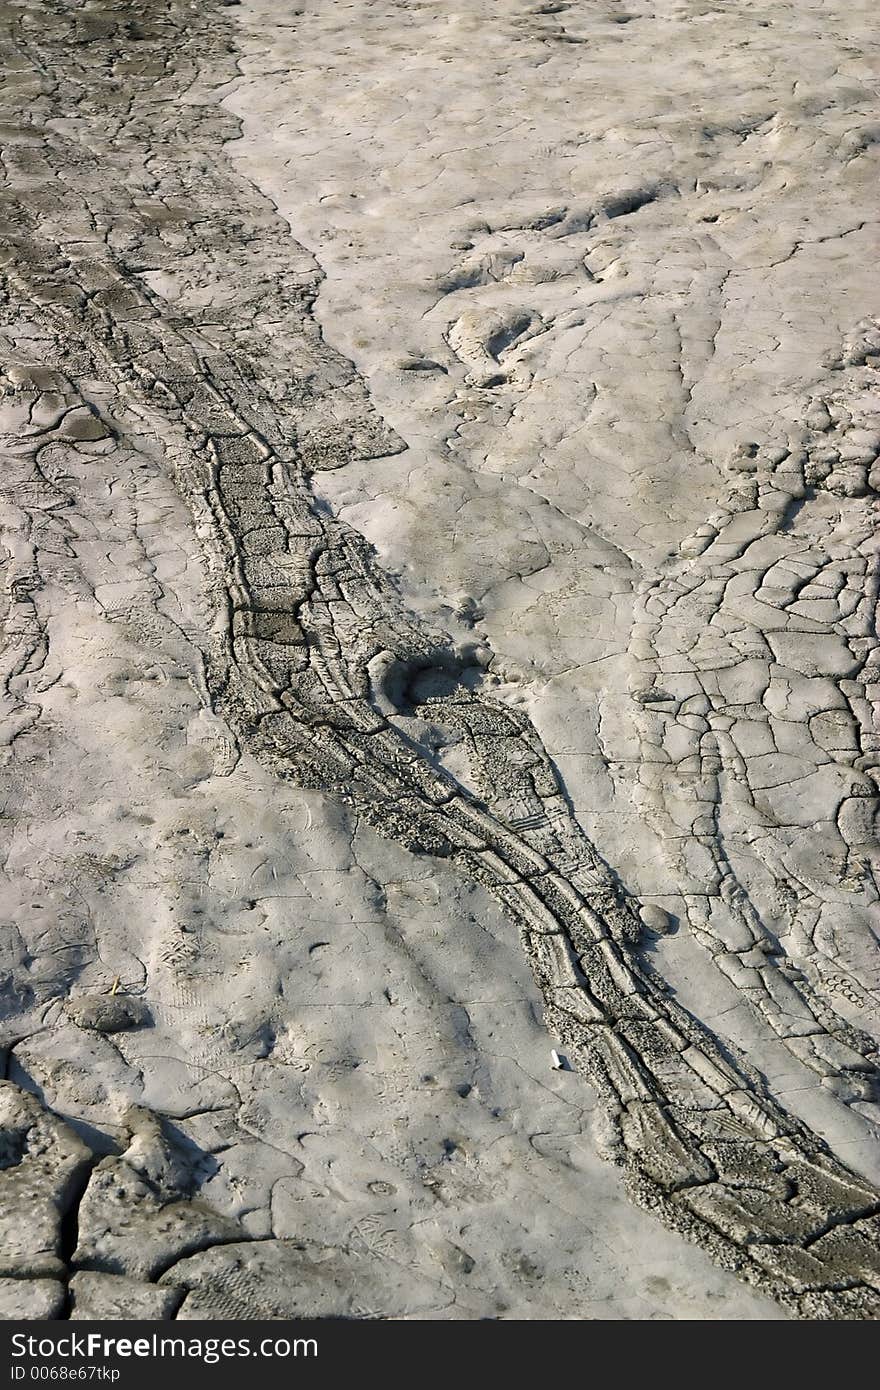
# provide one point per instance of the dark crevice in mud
(68, 1235)
(623, 204)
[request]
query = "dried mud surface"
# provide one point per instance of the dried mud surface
(438, 508)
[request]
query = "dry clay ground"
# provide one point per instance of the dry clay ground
(605, 274)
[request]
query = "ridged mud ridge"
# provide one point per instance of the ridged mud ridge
(117, 171)
(754, 670)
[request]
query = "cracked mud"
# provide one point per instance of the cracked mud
(440, 566)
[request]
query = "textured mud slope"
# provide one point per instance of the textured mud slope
(259, 1062)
